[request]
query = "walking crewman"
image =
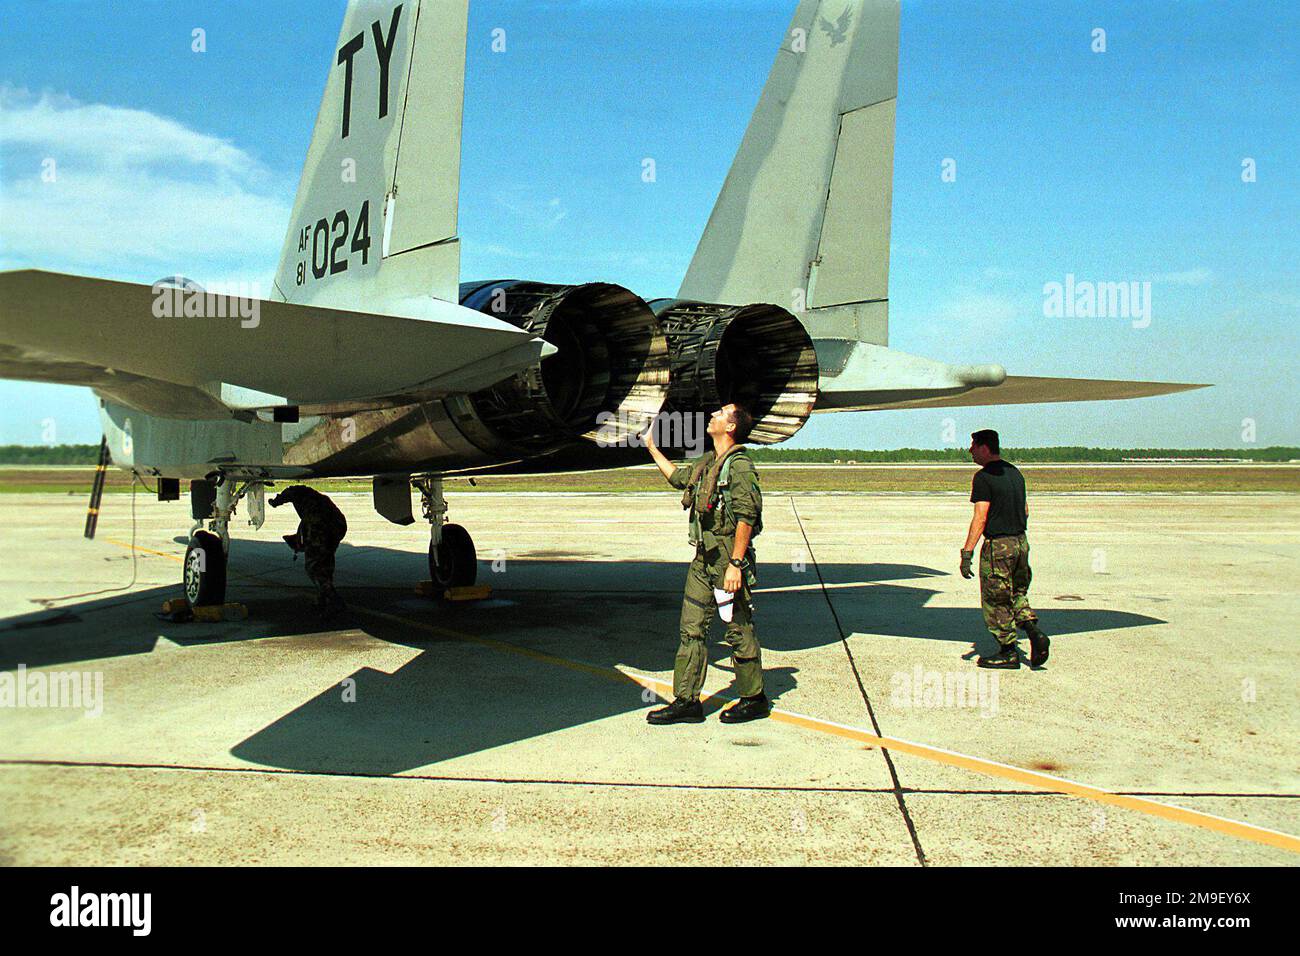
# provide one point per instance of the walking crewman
(1002, 516)
(722, 496)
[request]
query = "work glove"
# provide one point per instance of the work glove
(966, 558)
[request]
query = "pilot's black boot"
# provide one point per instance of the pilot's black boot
(1039, 644)
(678, 712)
(747, 708)
(1007, 658)
(329, 604)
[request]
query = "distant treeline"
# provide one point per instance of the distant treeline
(49, 454)
(1057, 454)
(89, 454)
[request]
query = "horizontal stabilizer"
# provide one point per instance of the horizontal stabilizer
(1016, 390)
(869, 377)
(186, 353)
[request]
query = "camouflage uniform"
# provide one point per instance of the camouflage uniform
(713, 532)
(321, 527)
(1004, 586)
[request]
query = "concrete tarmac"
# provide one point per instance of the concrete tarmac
(1163, 730)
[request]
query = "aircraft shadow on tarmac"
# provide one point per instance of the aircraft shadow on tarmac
(459, 697)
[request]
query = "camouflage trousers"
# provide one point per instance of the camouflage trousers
(698, 608)
(1004, 586)
(320, 539)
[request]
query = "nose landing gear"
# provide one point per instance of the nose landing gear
(204, 574)
(214, 500)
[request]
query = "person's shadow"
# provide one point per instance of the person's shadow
(541, 655)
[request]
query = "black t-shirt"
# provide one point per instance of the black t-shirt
(1001, 484)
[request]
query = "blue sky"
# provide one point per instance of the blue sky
(1114, 166)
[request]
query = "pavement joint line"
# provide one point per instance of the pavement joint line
(558, 782)
(446, 778)
(613, 784)
(451, 778)
(1032, 778)
(437, 778)
(862, 690)
(1208, 793)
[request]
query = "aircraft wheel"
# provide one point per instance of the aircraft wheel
(453, 564)
(205, 570)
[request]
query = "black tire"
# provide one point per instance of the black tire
(453, 564)
(204, 575)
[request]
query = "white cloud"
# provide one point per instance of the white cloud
(529, 211)
(980, 310)
(1186, 277)
(111, 134)
(132, 194)
(968, 326)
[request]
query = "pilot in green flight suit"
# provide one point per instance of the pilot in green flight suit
(722, 495)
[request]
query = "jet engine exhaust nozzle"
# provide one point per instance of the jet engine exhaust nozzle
(759, 355)
(611, 357)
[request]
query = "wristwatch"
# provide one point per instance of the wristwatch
(741, 563)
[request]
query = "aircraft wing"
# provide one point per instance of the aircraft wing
(235, 355)
(860, 376)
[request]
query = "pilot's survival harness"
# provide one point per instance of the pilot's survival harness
(715, 488)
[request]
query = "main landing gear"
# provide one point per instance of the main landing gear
(452, 559)
(214, 499)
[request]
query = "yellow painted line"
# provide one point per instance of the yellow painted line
(1043, 781)
(1164, 811)
(992, 768)
(162, 554)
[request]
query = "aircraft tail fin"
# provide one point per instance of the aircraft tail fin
(374, 220)
(802, 220)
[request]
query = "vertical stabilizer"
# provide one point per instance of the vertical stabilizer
(374, 221)
(802, 220)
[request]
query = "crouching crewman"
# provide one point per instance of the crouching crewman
(321, 527)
